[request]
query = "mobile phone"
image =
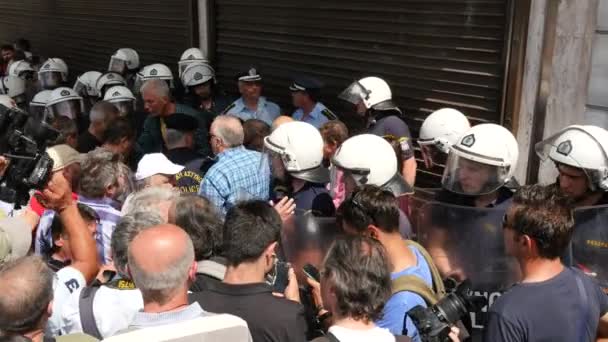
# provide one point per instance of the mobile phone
(281, 276)
(311, 272)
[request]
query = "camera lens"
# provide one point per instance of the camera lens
(451, 308)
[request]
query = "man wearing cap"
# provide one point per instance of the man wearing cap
(154, 169)
(15, 239)
(305, 93)
(251, 105)
(180, 150)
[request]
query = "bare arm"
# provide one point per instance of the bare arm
(408, 170)
(602, 328)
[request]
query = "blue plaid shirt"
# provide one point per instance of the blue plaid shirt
(239, 174)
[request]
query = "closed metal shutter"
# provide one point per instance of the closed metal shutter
(86, 33)
(433, 53)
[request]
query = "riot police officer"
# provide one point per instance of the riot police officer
(38, 104)
(53, 73)
(199, 80)
(108, 80)
(190, 56)
(373, 99)
(125, 61)
(122, 98)
(154, 71)
(439, 131)
(86, 86)
(305, 93)
(295, 152)
(65, 102)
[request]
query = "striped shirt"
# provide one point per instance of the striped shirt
(108, 217)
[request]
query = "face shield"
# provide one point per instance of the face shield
(355, 93)
(344, 181)
(118, 65)
(431, 154)
(82, 89)
(125, 108)
(467, 177)
(38, 112)
(71, 109)
(183, 65)
(50, 80)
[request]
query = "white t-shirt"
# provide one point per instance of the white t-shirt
(113, 310)
(67, 281)
(349, 335)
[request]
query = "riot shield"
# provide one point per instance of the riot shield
(467, 243)
(589, 247)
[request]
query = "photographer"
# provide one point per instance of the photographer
(552, 302)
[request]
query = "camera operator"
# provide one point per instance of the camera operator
(553, 302)
(251, 235)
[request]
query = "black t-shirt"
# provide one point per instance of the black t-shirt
(87, 142)
(565, 308)
(270, 319)
(393, 125)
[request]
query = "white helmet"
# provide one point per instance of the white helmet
(191, 55)
(482, 160)
(299, 146)
(154, 71)
(582, 147)
(197, 73)
(7, 101)
(64, 101)
(122, 98)
(21, 69)
(86, 84)
(12, 86)
(374, 92)
(369, 159)
(443, 128)
(52, 73)
(108, 80)
(123, 60)
(38, 104)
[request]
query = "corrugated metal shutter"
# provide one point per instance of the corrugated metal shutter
(86, 33)
(433, 53)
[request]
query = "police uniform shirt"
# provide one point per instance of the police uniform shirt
(267, 111)
(393, 125)
(113, 308)
(67, 281)
(317, 117)
(316, 199)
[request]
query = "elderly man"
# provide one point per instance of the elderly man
(252, 105)
(155, 169)
(159, 105)
(102, 115)
(165, 279)
(239, 173)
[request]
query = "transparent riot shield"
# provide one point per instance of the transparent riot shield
(589, 247)
(467, 243)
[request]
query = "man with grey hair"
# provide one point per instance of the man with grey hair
(165, 279)
(155, 198)
(103, 310)
(159, 105)
(238, 173)
(101, 116)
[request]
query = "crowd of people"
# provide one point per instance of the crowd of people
(174, 212)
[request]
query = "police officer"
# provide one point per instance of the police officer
(190, 56)
(122, 98)
(154, 71)
(65, 102)
(86, 86)
(53, 73)
(295, 150)
(38, 104)
(439, 131)
(108, 80)
(180, 150)
(125, 61)
(305, 93)
(252, 105)
(201, 84)
(373, 99)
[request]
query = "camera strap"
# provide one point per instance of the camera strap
(438, 286)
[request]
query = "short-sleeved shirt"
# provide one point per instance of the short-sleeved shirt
(400, 303)
(393, 125)
(266, 111)
(239, 174)
(566, 307)
(67, 281)
(314, 198)
(317, 117)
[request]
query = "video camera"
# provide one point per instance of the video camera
(433, 323)
(23, 141)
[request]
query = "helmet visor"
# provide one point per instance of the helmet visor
(272, 159)
(71, 109)
(50, 80)
(117, 65)
(355, 93)
(432, 155)
(183, 65)
(344, 181)
(37, 112)
(124, 107)
(80, 88)
(468, 177)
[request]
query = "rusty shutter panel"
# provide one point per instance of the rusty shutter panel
(86, 33)
(433, 53)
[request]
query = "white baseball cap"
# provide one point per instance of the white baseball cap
(155, 164)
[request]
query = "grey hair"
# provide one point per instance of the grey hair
(100, 169)
(126, 229)
(160, 87)
(174, 138)
(149, 197)
(100, 111)
(159, 286)
(229, 129)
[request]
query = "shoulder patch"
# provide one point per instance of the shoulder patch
(329, 114)
(232, 105)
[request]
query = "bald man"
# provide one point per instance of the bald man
(281, 120)
(162, 266)
(238, 174)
